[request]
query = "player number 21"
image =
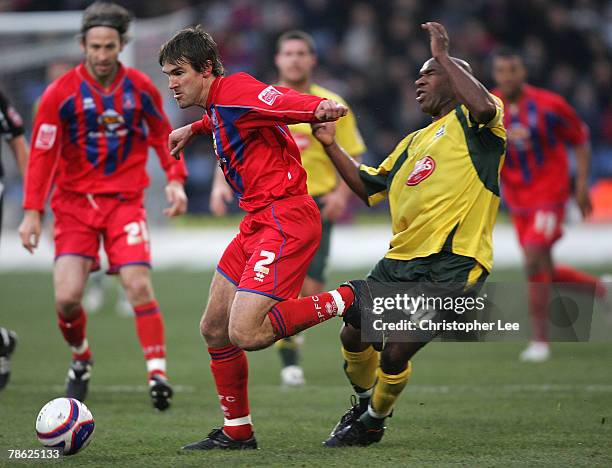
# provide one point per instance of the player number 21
(137, 232)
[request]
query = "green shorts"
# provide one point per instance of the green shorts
(443, 274)
(442, 267)
(317, 267)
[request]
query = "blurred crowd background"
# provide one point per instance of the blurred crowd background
(370, 53)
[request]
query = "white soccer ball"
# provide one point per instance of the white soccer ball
(66, 424)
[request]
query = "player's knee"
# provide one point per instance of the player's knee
(351, 339)
(138, 289)
(395, 356)
(67, 304)
(213, 334)
(249, 341)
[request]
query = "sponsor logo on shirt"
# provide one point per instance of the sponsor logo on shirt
(519, 135)
(269, 95)
(440, 132)
(46, 136)
(423, 168)
(111, 119)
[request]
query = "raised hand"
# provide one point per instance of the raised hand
(438, 39)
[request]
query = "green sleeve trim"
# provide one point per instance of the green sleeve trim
(486, 150)
(373, 183)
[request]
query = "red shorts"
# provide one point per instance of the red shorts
(82, 220)
(272, 252)
(542, 227)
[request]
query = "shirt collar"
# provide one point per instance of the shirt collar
(82, 70)
(212, 92)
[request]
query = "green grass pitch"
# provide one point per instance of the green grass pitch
(468, 404)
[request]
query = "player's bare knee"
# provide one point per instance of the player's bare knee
(395, 356)
(214, 334)
(351, 339)
(138, 289)
(247, 340)
(67, 304)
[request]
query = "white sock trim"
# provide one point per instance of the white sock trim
(158, 364)
(366, 394)
(376, 415)
(238, 421)
(81, 348)
(339, 301)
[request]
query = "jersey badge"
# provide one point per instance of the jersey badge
(423, 168)
(45, 138)
(269, 95)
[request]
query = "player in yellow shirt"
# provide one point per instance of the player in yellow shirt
(295, 61)
(442, 183)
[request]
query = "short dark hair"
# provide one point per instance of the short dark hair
(298, 35)
(193, 46)
(507, 52)
(106, 14)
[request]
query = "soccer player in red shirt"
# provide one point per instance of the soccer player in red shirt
(252, 301)
(91, 138)
(536, 184)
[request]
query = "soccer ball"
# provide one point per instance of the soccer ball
(65, 423)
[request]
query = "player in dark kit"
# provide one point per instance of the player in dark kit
(11, 128)
(91, 137)
(536, 184)
(252, 301)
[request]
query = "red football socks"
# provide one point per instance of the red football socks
(230, 370)
(294, 315)
(539, 295)
(577, 278)
(150, 330)
(73, 329)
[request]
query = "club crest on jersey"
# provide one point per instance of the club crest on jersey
(128, 101)
(269, 95)
(111, 119)
(423, 168)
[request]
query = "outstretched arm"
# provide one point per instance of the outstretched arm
(469, 90)
(346, 166)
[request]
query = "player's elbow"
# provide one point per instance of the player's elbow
(484, 113)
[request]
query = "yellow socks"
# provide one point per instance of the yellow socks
(360, 368)
(388, 388)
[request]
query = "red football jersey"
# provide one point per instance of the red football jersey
(248, 121)
(539, 126)
(95, 140)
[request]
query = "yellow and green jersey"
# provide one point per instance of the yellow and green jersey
(443, 187)
(320, 170)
